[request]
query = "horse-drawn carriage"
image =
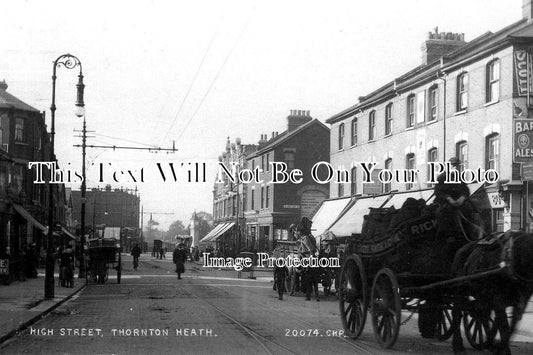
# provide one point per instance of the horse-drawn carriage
(399, 262)
(102, 254)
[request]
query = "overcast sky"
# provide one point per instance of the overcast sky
(196, 72)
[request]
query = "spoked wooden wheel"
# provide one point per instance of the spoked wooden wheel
(353, 296)
(444, 323)
(479, 322)
(385, 308)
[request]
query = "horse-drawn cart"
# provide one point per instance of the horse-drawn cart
(102, 254)
(397, 263)
(401, 263)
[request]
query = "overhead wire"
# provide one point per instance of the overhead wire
(126, 140)
(194, 79)
(215, 79)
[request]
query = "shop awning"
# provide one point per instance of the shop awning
(399, 198)
(352, 221)
(328, 213)
(212, 232)
(27, 216)
(221, 232)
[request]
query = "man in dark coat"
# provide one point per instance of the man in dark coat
(280, 274)
(136, 253)
(451, 197)
(179, 257)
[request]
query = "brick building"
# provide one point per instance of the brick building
(229, 199)
(464, 100)
(23, 204)
(117, 209)
(272, 208)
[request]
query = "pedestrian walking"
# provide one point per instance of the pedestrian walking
(179, 257)
(136, 253)
(281, 273)
(66, 267)
(31, 261)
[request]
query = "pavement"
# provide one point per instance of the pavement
(22, 303)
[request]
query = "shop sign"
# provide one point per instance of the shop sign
(523, 141)
(4, 266)
(496, 200)
(522, 69)
(527, 171)
(291, 206)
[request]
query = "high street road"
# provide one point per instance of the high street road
(208, 311)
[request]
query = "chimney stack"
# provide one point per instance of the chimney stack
(298, 118)
(440, 44)
(527, 10)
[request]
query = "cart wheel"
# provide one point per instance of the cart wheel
(444, 323)
(478, 321)
(385, 308)
(353, 300)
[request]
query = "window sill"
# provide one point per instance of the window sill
(387, 135)
(458, 113)
(410, 128)
(371, 140)
(20, 143)
(353, 145)
(431, 122)
(491, 103)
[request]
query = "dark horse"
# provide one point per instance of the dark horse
(504, 263)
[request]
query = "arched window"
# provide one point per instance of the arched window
(387, 185)
(462, 92)
(353, 183)
(388, 119)
(492, 152)
(493, 81)
(433, 156)
(433, 103)
(341, 136)
(461, 152)
(411, 110)
(354, 131)
(372, 126)
(410, 164)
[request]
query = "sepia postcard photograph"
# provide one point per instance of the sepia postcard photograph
(266, 177)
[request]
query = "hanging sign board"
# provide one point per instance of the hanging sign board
(523, 141)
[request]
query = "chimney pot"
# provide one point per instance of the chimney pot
(440, 44)
(527, 10)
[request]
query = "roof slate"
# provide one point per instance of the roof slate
(7, 101)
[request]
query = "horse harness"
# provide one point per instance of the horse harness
(505, 241)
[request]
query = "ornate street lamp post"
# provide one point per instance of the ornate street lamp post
(70, 62)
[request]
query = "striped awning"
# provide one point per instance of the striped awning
(352, 221)
(27, 216)
(221, 232)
